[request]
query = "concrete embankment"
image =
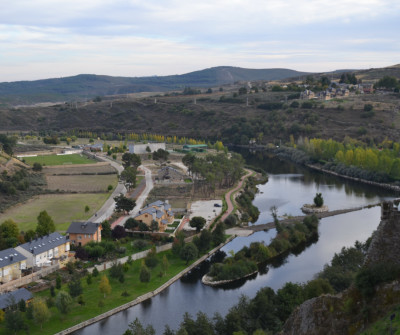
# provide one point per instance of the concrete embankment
(145, 296)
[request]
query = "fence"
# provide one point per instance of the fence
(14, 284)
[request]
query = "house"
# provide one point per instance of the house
(45, 250)
(158, 211)
(14, 297)
(307, 95)
(142, 148)
(169, 174)
(11, 263)
(368, 88)
(81, 233)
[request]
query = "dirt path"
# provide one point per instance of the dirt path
(228, 195)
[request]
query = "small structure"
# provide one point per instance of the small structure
(11, 264)
(44, 250)
(142, 148)
(158, 211)
(14, 297)
(195, 147)
(94, 147)
(307, 95)
(311, 209)
(169, 174)
(81, 233)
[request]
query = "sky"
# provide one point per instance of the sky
(42, 39)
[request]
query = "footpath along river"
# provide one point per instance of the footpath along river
(288, 188)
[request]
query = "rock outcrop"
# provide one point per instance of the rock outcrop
(341, 314)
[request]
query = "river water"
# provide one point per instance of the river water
(288, 188)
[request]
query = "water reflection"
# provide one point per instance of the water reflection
(288, 193)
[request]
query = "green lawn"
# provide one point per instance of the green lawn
(59, 160)
(92, 296)
(63, 208)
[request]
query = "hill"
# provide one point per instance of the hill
(85, 86)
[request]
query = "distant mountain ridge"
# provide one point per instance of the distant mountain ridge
(90, 85)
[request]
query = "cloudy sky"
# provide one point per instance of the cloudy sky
(57, 38)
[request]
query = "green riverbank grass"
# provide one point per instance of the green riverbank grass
(91, 295)
(59, 160)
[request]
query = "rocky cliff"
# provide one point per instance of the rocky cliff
(347, 313)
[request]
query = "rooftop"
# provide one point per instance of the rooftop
(83, 227)
(10, 256)
(45, 243)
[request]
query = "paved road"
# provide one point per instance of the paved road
(140, 201)
(108, 208)
(228, 195)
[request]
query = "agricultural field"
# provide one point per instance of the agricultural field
(102, 168)
(63, 208)
(58, 159)
(81, 183)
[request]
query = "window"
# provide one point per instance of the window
(79, 237)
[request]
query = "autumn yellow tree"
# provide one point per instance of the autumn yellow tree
(104, 285)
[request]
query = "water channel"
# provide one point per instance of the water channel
(288, 188)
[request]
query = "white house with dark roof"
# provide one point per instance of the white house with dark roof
(43, 251)
(11, 263)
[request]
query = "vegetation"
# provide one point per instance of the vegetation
(245, 261)
(246, 197)
(58, 160)
(318, 200)
(197, 222)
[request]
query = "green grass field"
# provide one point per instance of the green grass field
(91, 295)
(63, 208)
(59, 160)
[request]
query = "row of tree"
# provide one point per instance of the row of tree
(384, 160)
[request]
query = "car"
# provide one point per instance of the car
(217, 205)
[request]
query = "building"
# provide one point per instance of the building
(11, 263)
(158, 211)
(195, 147)
(142, 148)
(46, 250)
(307, 95)
(170, 175)
(81, 233)
(14, 297)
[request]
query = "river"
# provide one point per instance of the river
(288, 188)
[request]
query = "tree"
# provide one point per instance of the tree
(189, 252)
(143, 226)
(87, 208)
(14, 320)
(45, 224)
(41, 312)
(106, 229)
(197, 222)
(29, 235)
(95, 272)
(9, 229)
(118, 232)
(318, 200)
(136, 328)
(131, 160)
(22, 305)
(124, 204)
(131, 223)
(104, 286)
(75, 287)
(58, 282)
(218, 234)
(128, 177)
(154, 226)
(37, 167)
(145, 274)
(160, 154)
(8, 143)
(64, 302)
(165, 265)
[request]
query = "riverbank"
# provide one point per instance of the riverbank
(145, 296)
